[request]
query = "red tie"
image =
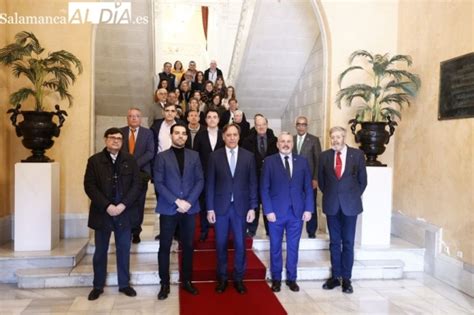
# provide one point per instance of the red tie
(338, 168)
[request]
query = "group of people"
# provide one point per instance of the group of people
(206, 166)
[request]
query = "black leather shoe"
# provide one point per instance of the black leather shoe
(251, 234)
(331, 283)
(136, 239)
(347, 286)
(203, 237)
(157, 237)
(164, 292)
(221, 286)
(94, 294)
(293, 286)
(188, 287)
(312, 236)
(276, 285)
(128, 291)
(240, 287)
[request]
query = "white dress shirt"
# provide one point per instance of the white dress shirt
(212, 137)
(164, 137)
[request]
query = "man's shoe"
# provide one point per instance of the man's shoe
(347, 286)
(312, 236)
(128, 291)
(94, 294)
(240, 287)
(221, 286)
(203, 237)
(331, 283)
(293, 286)
(157, 237)
(251, 234)
(136, 239)
(276, 285)
(164, 291)
(188, 287)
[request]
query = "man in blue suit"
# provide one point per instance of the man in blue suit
(138, 141)
(178, 178)
(342, 178)
(288, 200)
(231, 197)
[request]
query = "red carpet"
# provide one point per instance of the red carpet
(230, 302)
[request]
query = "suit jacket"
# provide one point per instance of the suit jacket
(156, 112)
(280, 193)
(202, 145)
(224, 119)
(344, 193)
(98, 187)
(221, 186)
(155, 128)
(144, 148)
(206, 73)
(310, 149)
(170, 185)
(251, 144)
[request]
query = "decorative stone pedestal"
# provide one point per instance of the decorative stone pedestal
(374, 224)
(36, 206)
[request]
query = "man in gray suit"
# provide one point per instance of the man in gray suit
(309, 147)
(139, 142)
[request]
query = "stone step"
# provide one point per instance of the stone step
(66, 255)
(312, 266)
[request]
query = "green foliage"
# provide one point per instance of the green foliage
(48, 74)
(386, 90)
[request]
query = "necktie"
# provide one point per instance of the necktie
(287, 166)
(232, 162)
(261, 146)
(299, 143)
(338, 168)
(131, 141)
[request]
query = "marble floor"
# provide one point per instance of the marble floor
(416, 294)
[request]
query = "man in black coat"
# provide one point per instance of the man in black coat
(168, 76)
(112, 182)
(262, 143)
(212, 73)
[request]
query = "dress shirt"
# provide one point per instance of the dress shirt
(300, 139)
(212, 137)
(164, 137)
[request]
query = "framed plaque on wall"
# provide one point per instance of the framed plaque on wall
(456, 89)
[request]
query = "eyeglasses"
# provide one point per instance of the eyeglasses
(301, 125)
(113, 138)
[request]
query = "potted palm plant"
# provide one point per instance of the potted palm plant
(48, 74)
(385, 88)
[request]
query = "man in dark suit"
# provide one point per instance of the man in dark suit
(207, 141)
(262, 143)
(138, 141)
(342, 178)
(112, 182)
(288, 200)
(231, 196)
(308, 146)
(212, 72)
(168, 76)
(179, 181)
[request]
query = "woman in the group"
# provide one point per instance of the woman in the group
(219, 87)
(194, 105)
(199, 82)
(163, 84)
(202, 105)
(230, 93)
(216, 104)
(178, 71)
(206, 95)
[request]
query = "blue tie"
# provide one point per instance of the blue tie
(232, 162)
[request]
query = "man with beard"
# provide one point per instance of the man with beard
(342, 178)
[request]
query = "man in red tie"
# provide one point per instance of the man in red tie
(342, 178)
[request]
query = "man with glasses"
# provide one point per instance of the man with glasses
(112, 182)
(309, 147)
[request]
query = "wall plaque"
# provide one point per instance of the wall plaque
(456, 91)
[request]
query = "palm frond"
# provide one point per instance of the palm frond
(402, 74)
(65, 59)
(346, 71)
(18, 69)
(361, 53)
(64, 75)
(29, 41)
(405, 58)
(21, 95)
(354, 89)
(390, 112)
(407, 87)
(398, 98)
